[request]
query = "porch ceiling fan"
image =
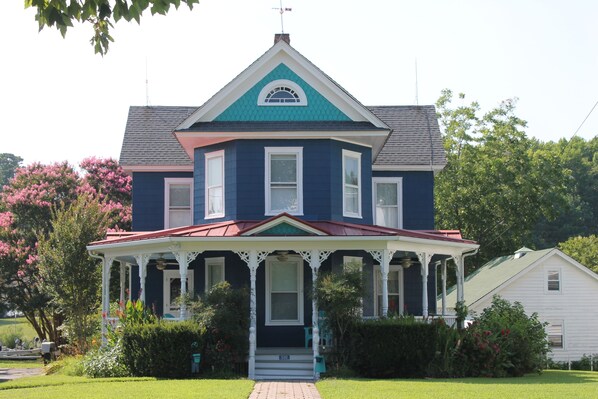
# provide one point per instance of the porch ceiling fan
(282, 256)
(162, 262)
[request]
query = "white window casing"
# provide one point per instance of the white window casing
(214, 272)
(214, 185)
(284, 291)
(351, 184)
(283, 180)
(178, 202)
(282, 92)
(387, 201)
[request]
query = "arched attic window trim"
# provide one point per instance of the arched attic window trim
(282, 92)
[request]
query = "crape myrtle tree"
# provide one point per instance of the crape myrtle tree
(495, 186)
(26, 206)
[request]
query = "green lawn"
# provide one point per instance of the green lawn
(550, 384)
(18, 325)
(21, 364)
(65, 387)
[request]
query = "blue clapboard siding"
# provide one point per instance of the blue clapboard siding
(245, 179)
(413, 290)
(418, 198)
(148, 199)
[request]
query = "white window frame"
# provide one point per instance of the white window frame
(391, 268)
(556, 323)
(219, 261)
(392, 180)
(167, 275)
(300, 297)
(176, 180)
(208, 157)
(261, 99)
(547, 274)
(298, 152)
(355, 155)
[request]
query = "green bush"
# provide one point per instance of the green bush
(106, 362)
(162, 349)
(224, 315)
(8, 337)
(393, 348)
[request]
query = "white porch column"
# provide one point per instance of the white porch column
(122, 282)
(315, 258)
(183, 259)
(142, 260)
(443, 271)
(383, 257)
(106, 263)
(253, 258)
(460, 273)
(424, 259)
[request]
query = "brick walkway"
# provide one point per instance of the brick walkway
(284, 390)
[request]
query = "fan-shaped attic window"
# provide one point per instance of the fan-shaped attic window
(282, 93)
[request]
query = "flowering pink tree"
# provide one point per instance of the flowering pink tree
(26, 206)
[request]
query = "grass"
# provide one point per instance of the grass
(21, 364)
(19, 326)
(66, 387)
(550, 384)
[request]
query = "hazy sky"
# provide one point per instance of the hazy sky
(60, 101)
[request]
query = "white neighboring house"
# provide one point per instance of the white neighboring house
(562, 291)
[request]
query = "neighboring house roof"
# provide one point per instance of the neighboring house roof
(415, 139)
(502, 271)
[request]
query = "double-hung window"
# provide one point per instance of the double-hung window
(214, 272)
(214, 185)
(387, 202)
(284, 291)
(395, 290)
(553, 281)
(351, 184)
(284, 180)
(178, 208)
(554, 332)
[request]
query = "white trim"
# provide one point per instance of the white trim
(176, 180)
(282, 83)
(208, 157)
(391, 268)
(299, 321)
(547, 272)
(354, 155)
(166, 276)
(287, 220)
(394, 180)
(219, 261)
(268, 152)
(157, 168)
(408, 168)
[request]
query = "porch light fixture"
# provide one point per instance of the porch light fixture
(160, 263)
(406, 262)
(282, 256)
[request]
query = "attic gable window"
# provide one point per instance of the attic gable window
(282, 92)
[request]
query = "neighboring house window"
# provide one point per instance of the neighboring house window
(282, 92)
(214, 185)
(284, 180)
(555, 335)
(351, 184)
(214, 272)
(388, 210)
(553, 281)
(172, 291)
(284, 291)
(178, 210)
(395, 290)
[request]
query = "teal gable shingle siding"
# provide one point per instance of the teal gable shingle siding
(318, 108)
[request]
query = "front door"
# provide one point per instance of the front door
(284, 291)
(172, 291)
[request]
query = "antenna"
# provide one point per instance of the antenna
(416, 89)
(146, 85)
(282, 10)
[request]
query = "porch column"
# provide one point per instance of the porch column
(315, 258)
(459, 270)
(424, 259)
(183, 259)
(383, 257)
(443, 271)
(253, 258)
(106, 263)
(122, 282)
(142, 260)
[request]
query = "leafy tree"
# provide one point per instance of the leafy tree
(8, 164)
(495, 187)
(582, 249)
(101, 14)
(68, 274)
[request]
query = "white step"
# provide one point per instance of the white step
(283, 364)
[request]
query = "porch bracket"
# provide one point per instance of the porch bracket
(424, 259)
(383, 257)
(142, 261)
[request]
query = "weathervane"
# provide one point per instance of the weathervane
(282, 10)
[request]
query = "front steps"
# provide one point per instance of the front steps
(284, 364)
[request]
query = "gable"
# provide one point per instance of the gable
(246, 108)
(284, 229)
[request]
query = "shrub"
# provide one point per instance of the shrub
(224, 315)
(8, 337)
(162, 349)
(106, 362)
(391, 348)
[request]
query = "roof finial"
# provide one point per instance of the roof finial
(282, 10)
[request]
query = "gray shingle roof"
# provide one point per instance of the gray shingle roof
(415, 137)
(148, 137)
